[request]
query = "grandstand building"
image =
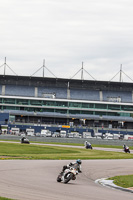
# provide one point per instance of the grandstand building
(41, 100)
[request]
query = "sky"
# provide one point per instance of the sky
(64, 35)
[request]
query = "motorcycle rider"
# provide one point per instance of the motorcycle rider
(124, 146)
(87, 145)
(22, 139)
(76, 165)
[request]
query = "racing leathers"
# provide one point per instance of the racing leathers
(74, 165)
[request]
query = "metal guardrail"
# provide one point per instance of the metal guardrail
(69, 140)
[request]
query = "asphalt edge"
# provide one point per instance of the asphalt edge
(109, 183)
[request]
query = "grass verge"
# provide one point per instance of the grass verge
(73, 144)
(26, 151)
(125, 181)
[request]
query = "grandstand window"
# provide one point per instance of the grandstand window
(74, 104)
(36, 109)
(48, 110)
(101, 106)
(1, 100)
(17, 108)
(100, 113)
(48, 103)
(112, 114)
(60, 111)
(36, 102)
(124, 114)
(87, 112)
(114, 107)
(9, 101)
(22, 101)
(8, 107)
(74, 111)
(91, 105)
(62, 104)
(85, 105)
(88, 105)
(30, 109)
(123, 107)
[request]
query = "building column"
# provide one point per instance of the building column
(68, 91)
(3, 89)
(36, 91)
(101, 95)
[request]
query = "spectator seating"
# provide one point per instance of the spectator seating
(117, 96)
(84, 94)
(15, 90)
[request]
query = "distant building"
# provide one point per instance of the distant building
(41, 100)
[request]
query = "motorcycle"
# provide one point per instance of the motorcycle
(88, 146)
(126, 150)
(25, 140)
(67, 175)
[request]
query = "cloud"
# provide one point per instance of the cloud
(65, 33)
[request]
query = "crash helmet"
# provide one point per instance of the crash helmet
(79, 161)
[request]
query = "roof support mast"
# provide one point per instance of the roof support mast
(5, 66)
(82, 71)
(43, 67)
(121, 73)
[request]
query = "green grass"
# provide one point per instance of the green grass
(73, 144)
(29, 151)
(125, 181)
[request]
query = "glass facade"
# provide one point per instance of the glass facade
(66, 107)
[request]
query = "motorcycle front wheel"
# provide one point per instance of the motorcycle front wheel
(68, 177)
(59, 178)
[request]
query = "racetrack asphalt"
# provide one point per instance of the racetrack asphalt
(36, 180)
